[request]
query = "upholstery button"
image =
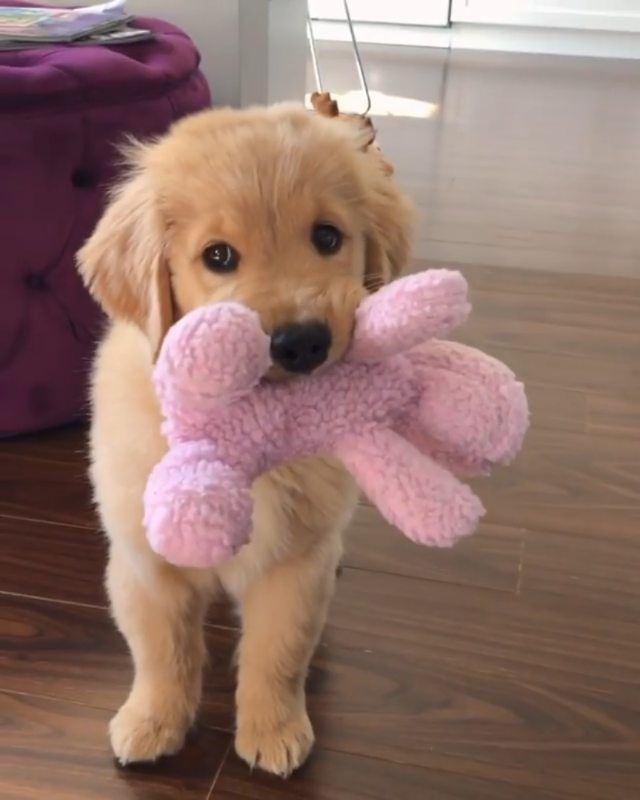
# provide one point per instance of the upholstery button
(35, 282)
(83, 178)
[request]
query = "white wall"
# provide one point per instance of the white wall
(253, 51)
(213, 26)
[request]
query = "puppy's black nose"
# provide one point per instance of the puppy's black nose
(301, 346)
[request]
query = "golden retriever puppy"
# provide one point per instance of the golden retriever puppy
(280, 209)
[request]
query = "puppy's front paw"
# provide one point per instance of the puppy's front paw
(139, 733)
(278, 748)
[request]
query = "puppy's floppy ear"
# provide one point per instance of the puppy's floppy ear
(123, 263)
(389, 227)
(389, 214)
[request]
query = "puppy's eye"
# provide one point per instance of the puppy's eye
(327, 239)
(220, 257)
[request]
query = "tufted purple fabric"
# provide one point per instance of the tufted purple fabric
(63, 110)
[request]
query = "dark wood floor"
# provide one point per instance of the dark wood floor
(507, 669)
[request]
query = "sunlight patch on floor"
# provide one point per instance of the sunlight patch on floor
(383, 105)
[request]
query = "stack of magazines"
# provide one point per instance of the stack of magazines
(28, 27)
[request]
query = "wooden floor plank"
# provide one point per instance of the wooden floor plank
(72, 570)
(556, 408)
(615, 292)
(490, 559)
(74, 653)
(613, 416)
(342, 776)
(505, 690)
(489, 631)
(488, 332)
(591, 575)
(501, 686)
(41, 488)
(67, 445)
(542, 301)
(571, 483)
(56, 750)
(561, 308)
(556, 369)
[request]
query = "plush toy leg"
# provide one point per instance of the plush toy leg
(209, 356)
(412, 492)
(197, 509)
(407, 313)
(472, 413)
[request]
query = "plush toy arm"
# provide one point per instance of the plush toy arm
(427, 503)
(197, 510)
(208, 357)
(472, 411)
(407, 313)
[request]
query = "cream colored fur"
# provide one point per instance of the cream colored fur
(258, 179)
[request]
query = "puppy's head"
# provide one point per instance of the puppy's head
(276, 208)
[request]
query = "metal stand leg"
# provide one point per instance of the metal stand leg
(314, 53)
(356, 54)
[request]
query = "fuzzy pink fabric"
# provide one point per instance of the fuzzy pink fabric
(404, 412)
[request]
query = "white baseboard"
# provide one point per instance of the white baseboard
(547, 41)
(470, 36)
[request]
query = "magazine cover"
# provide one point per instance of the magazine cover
(59, 24)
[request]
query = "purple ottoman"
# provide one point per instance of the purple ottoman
(63, 111)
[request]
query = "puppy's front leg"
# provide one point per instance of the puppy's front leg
(283, 614)
(160, 613)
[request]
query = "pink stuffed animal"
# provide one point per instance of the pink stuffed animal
(402, 411)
